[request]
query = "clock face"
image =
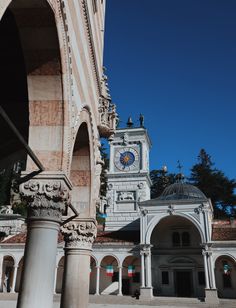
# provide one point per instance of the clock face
(126, 159)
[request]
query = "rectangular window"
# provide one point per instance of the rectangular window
(165, 277)
(227, 281)
(136, 277)
(201, 278)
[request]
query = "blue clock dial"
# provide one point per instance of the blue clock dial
(127, 158)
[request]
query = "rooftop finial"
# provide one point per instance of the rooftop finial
(180, 175)
(130, 122)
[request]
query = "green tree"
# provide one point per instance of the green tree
(105, 166)
(160, 180)
(5, 185)
(215, 185)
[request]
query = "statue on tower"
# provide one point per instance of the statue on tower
(141, 120)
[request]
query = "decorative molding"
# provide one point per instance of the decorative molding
(91, 44)
(80, 234)
(108, 117)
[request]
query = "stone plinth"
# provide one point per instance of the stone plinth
(211, 297)
(146, 293)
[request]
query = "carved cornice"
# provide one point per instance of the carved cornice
(91, 43)
(80, 234)
(47, 198)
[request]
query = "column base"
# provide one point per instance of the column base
(146, 293)
(211, 297)
(119, 294)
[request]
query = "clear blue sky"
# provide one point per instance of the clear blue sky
(175, 62)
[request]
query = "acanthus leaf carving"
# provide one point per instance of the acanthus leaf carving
(45, 198)
(80, 233)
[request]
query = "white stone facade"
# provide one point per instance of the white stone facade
(127, 185)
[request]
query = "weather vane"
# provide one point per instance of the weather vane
(180, 175)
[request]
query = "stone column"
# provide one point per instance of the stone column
(142, 270)
(98, 281)
(212, 270)
(206, 269)
(79, 236)
(146, 292)
(14, 279)
(1, 280)
(47, 196)
(120, 281)
(211, 296)
(55, 281)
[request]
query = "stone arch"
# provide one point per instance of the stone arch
(155, 221)
(108, 282)
(171, 262)
(8, 265)
(46, 58)
(83, 167)
(131, 277)
(225, 276)
(225, 254)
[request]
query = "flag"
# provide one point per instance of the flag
(226, 269)
(131, 271)
(109, 270)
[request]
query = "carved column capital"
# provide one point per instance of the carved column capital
(47, 196)
(80, 233)
(145, 250)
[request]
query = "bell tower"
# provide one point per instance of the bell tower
(128, 180)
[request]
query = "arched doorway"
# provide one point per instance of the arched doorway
(109, 276)
(7, 274)
(19, 272)
(60, 271)
(225, 274)
(177, 262)
(130, 275)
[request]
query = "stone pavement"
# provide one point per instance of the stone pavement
(112, 301)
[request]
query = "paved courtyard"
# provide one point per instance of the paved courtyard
(9, 301)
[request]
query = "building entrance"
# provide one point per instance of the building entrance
(183, 283)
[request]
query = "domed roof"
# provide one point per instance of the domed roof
(181, 191)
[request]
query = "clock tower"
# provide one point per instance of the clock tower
(128, 180)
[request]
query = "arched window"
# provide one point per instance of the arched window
(185, 239)
(176, 239)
